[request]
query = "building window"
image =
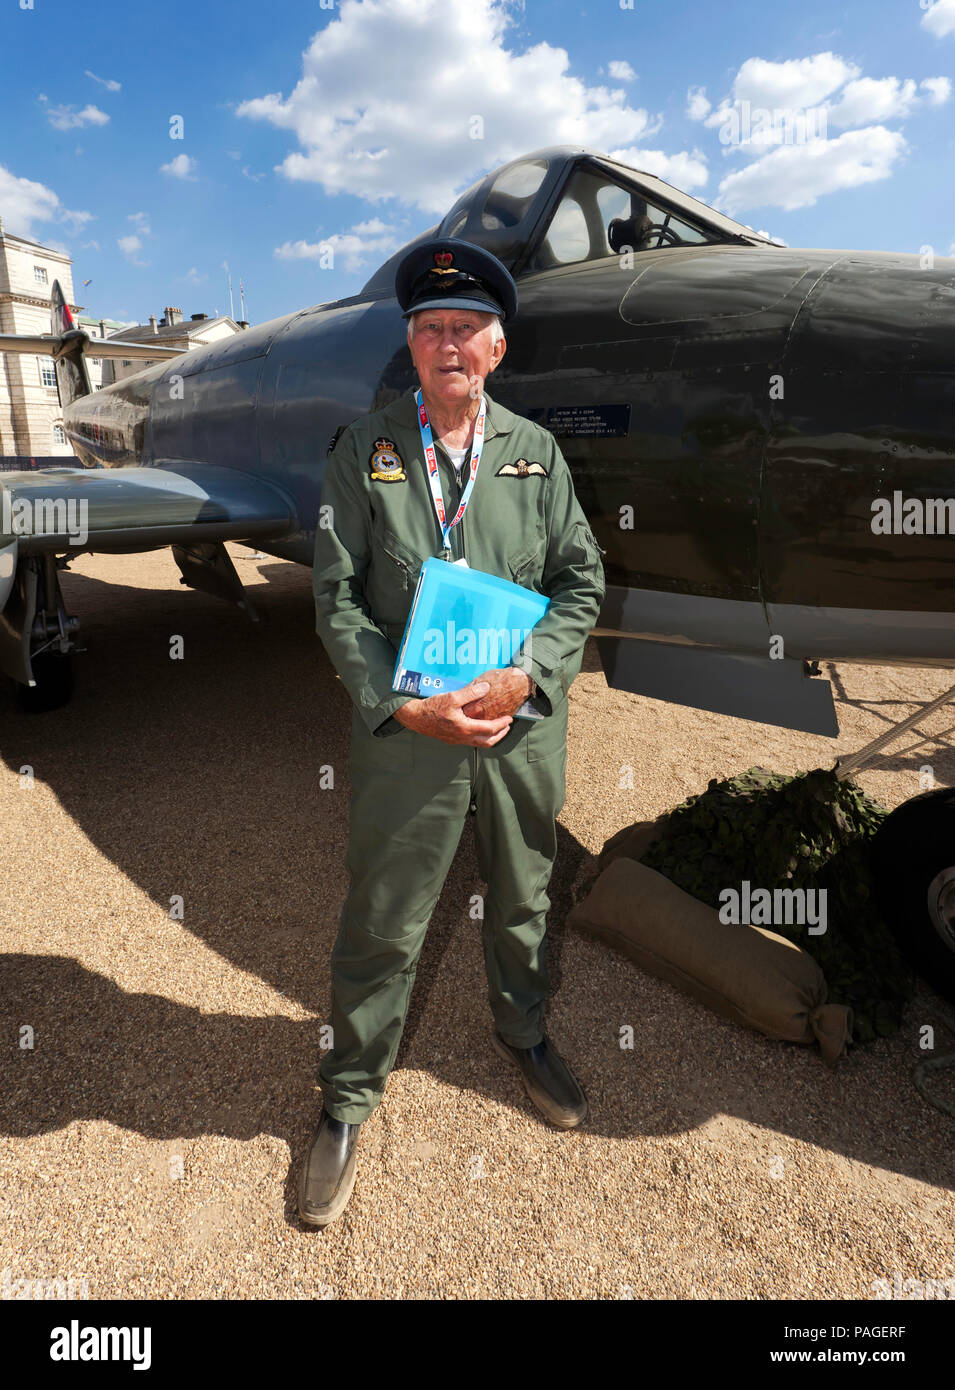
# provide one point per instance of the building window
(59, 434)
(47, 371)
(39, 274)
(95, 361)
(127, 362)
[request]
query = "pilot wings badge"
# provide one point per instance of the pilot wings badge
(387, 465)
(522, 469)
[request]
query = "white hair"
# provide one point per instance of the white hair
(497, 328)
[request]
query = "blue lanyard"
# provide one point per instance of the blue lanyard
(434, 481)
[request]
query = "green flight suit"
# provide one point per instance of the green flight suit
(411, 793)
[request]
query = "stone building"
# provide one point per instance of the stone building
(31, 421)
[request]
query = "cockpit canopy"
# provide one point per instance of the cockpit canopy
(566, 205)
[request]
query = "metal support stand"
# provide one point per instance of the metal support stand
(845, 767)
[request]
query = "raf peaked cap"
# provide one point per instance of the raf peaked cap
(445, 273)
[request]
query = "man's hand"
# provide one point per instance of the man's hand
(508, 689)
(443, 716)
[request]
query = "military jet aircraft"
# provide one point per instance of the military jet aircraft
(761, 437)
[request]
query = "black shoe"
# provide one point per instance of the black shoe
(547, 1080)
(328, 1173)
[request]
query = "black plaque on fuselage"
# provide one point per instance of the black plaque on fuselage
(583, 421)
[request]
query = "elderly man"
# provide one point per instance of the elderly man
(445, 471)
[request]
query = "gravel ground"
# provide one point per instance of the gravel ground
(150, 1139)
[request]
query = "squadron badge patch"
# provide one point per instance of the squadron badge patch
(522, 469)
(387, 465)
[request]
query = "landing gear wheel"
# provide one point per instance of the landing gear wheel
(53, 673)
(914, 866)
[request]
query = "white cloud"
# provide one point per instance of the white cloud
(23, 202)
(249, 174)
(129, 245)
(90, 246)
(683, 170)
(301, 250)
(67, 117)
(412, 138)
(182, 167)
(795, 176)
(140, 220)
(940, 19)
(76, 221)
(193, 276)
(109, 83)
(372, 240)
(873, 99)
(621, 71)
(939, 89)
(812, 126)
(697, 105)
(796, 82)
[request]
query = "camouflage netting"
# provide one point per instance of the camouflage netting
(806, 832)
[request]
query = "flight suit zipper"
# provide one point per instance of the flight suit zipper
(516, 578)
(458, 490)
(402, 563)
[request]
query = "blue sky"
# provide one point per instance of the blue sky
(305, 126)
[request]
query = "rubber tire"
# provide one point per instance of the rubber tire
(914, 844)
(53, 673)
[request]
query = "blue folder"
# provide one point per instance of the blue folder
(463, 622)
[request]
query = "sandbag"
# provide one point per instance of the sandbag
(632, 841)
(745, 973)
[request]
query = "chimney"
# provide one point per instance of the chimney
(102, 328)
(194, 317)
(173, 315)
(152, 323)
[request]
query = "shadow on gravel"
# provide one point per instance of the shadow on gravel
(200, 778)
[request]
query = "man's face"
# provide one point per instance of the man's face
(450, 346)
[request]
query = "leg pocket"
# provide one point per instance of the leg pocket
(547, 736)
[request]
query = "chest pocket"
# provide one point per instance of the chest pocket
(397, 559)
(527, 567)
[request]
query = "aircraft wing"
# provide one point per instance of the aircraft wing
(130, 509)
(47, 344)
(191, 506)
